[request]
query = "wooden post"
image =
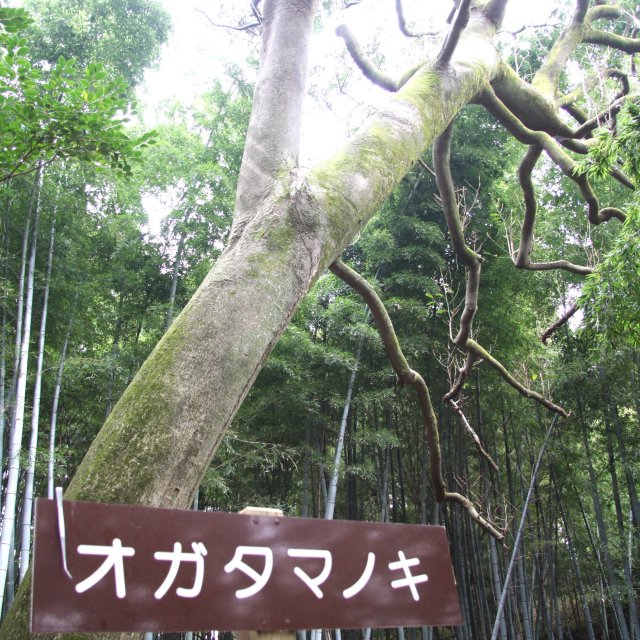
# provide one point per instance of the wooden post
(264, 635)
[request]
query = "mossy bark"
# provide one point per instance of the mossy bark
(159, 439)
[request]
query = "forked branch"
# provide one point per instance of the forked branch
(555, 152)
(444, 180)
(406, 376)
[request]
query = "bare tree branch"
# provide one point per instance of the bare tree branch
(406, 375)
(242, 27)
(474, 436)
(453, 37)
(362, 61)
(564, 162)
(571, 311)
(472, 261)
(480, 352)
(463, 374)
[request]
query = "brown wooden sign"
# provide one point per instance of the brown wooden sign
(127, 568)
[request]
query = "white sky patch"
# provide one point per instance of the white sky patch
(197, 52)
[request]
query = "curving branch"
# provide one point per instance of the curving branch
(480, 352)
(613, 40)
(453, 37)
(571, 311)
(402, 23)
(472, 262)
(363, 63)
(470, 259)
(555, 152)
(407, 376)
(523, 256)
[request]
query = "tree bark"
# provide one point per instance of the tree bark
(157, 442)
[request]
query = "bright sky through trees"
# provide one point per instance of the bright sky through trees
(198, 51)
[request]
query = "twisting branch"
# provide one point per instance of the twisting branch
(406, 376)
(539, 138)
(471, 260)
(364, 64)
(523, 256)
(453, 37)
(613, 40)
(402, 23)
(571, 311)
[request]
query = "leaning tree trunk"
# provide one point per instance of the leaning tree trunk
(288, 227)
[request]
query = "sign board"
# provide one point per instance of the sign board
(143, 569)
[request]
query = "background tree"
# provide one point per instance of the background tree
(289, 225)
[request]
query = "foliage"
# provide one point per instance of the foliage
(60, 113)
(611, 296)
(621, 145)
(13, 20)
(124, 35)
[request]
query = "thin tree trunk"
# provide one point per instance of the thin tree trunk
(621, 621)
(21, 284)
(3, 374)
(333, 486)
(9, 516)
(27, 505)
(516, 544)
(632, 486)
(54, 407)
(306, 473)
(10, 398)
(626, 563)
(568, 532)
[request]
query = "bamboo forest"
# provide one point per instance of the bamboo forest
(435, 321)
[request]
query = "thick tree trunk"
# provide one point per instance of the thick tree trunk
(157, 442)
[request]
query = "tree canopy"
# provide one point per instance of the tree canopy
(444, 247)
